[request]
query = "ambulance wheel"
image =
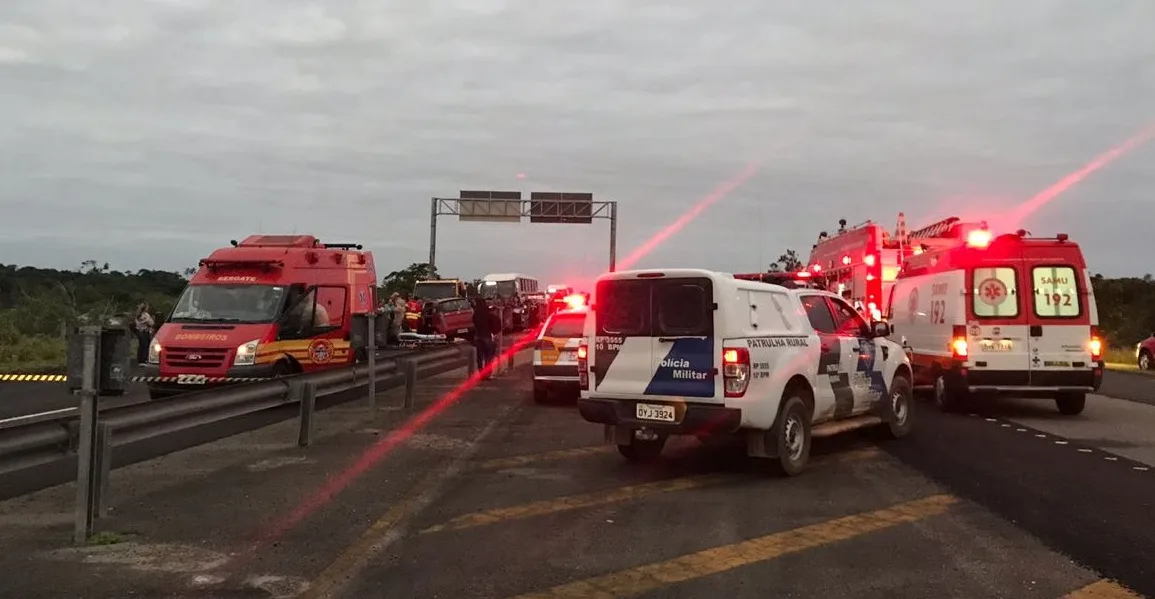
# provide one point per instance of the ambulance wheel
(792, 437)
(641, 452)
(898, 423)
(947, 398)
(1145, 360)
(1071, 404)
(540, 395)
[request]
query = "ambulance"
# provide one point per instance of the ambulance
(1009, 315)
(271, 305)
(702, 353)
(555, 366)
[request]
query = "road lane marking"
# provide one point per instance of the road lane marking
(561, 454)
(1103, 589)
(616, 495)
(650, 577)
(387, 529)
(574, 502)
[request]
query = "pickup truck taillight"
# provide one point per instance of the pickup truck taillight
(583, 366)
(735, 371)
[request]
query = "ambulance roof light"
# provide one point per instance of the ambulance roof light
(1062, 237)
(979, 238)
(802, 274)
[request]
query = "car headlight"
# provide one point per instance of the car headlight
(246, 353)
(154, 352)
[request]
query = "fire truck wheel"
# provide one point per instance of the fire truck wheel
(282, 368)
(948, 397)
(1071, 404)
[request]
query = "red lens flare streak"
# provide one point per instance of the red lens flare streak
(376, 452)
(1026, 209)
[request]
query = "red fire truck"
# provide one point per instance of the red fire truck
(270, 305)
(862, 262)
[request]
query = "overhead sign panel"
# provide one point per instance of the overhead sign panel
(489, 206)
(561, 207)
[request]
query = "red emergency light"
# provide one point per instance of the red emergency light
(575, 301)
(979, 238)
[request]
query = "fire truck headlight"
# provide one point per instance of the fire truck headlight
(246, 353)
(154, 352)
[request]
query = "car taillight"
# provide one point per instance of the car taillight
(735, 371)
(1095, 344)
(958, 343)
(583, 366)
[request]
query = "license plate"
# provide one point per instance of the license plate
(647, 411)
(462, 330)
(1000, 345)
(191, 379)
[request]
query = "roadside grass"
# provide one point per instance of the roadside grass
(1123, 360)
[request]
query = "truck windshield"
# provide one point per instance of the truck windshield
(229, 303)
(434, 291)
(504, 289)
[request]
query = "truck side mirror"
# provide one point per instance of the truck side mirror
(880, 328)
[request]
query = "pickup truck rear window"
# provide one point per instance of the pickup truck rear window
(656, 307)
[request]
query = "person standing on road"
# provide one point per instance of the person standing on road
(396, 307)
(145, 326)
(485, 328)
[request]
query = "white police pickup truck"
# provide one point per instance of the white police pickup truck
(697, 352)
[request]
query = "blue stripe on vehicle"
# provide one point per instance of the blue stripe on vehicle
(686, 369)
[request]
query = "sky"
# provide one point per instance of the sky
(145, 133)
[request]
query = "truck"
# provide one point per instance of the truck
(517, 296)
(430, 290)
(686, 351)
(271, 305)
(860, 263)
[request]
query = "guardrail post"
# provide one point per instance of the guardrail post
(103, 468)
(372, 360)
(86, 449)
(307, 393)
(410, 367)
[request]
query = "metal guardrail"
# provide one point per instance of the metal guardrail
(43, 451)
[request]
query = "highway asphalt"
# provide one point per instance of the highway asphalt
(499, 497)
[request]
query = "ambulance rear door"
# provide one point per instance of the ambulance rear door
(998, 332)
(1059, 316)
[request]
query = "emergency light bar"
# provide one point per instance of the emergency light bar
(575, 301)
(240, 262)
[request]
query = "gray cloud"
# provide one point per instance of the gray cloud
(147, 133)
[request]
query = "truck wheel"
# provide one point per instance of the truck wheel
(1071, 404)
(1145, 360)
(947, 398)
(898, 409)
(792, 437)
(642, 452)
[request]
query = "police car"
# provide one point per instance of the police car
(555, 366)
(697, 352)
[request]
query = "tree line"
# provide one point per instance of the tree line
(37, 305)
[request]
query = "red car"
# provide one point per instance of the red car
(452, 317)
(1145, 353)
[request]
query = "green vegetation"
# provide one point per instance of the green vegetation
(37, 305)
